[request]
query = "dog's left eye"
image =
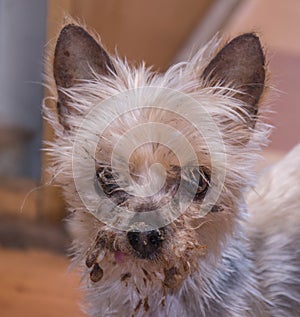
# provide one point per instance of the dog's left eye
(203, 185)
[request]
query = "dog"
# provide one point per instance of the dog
(158, 170)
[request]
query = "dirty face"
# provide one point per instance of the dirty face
(154, 181)
(143, 242)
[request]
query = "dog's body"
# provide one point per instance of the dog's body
(211, 258)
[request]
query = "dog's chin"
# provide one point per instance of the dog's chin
(127, 256)
(143, 257)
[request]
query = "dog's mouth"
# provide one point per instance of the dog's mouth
(140, 245)
(144, 249)
(119, 256)
(95, 257)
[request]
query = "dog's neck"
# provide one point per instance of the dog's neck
(217, 280)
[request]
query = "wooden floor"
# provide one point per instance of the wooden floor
(37, 284)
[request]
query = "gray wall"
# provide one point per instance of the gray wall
(22, 40)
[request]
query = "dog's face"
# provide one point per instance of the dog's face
(153, 165)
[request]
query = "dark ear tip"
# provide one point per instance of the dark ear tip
(71, 29)
(69, 26)
(247, 37)
(252, 41)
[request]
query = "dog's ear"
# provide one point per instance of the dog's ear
(77, 56)
(240, 64)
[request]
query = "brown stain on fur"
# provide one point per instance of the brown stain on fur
(146, 304)
(171, 277)
(138, 306)
(125, 277)
(96, 274)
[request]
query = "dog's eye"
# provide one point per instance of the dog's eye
(106, 180)
(203, 185)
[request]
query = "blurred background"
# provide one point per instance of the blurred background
(33, 241)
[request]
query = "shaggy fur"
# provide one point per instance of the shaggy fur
(143, 133)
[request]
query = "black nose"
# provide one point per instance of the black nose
(146, 244)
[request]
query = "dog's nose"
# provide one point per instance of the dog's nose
(146, 244)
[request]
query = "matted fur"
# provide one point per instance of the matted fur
(209, 265)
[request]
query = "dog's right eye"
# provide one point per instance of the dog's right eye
(107, 181)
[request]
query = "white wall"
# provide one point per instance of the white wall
(22, 39)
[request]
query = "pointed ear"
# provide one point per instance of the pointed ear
(240, 64)
(77, 55)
